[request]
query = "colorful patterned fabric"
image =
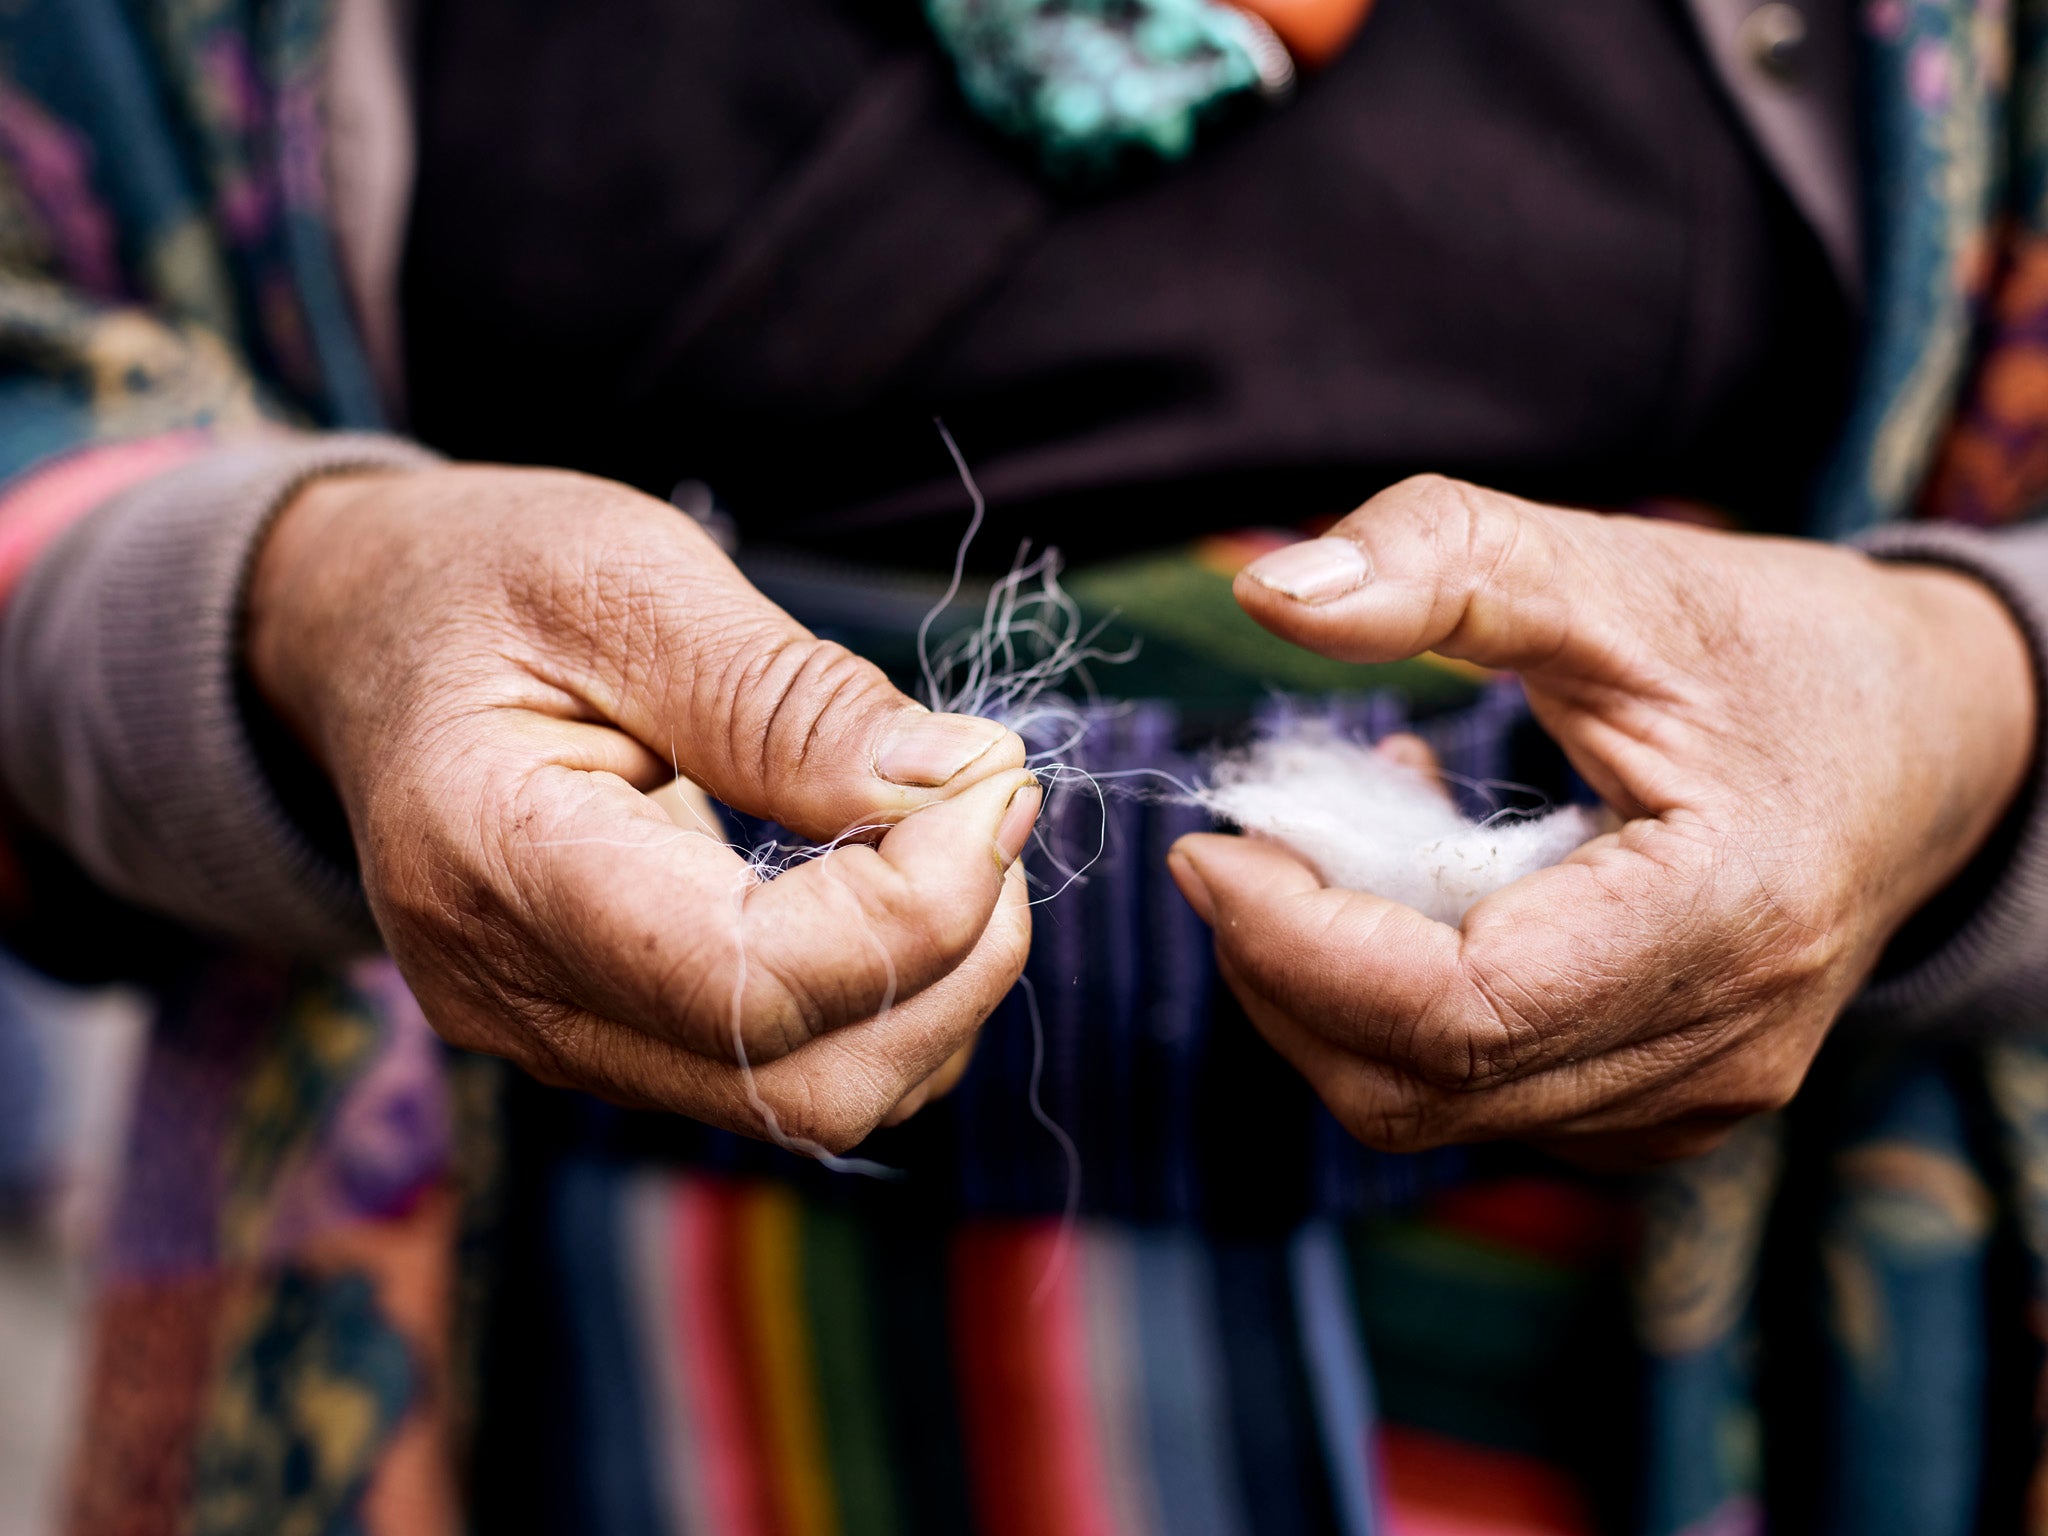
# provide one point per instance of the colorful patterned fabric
(307, 1318)
(747, 1360)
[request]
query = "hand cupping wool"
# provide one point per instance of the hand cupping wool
(1367, 824)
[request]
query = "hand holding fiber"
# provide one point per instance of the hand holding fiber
(1367, 822)
(1803, 747)
(493, 665)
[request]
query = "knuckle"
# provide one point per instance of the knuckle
(1778, 1095)
(463, 1025)
(934, 934)
(840, 1136)
(1474, 524)
(829, 1115)
(1759, 1078)
(1437, 498)
(1800, 954)
(777, 1012)
(1386, 1118)
(1485, 1031)
(1763, 1096)
(546, 1041)
(786, 697)
(692, 994)
(1387, 1129)
(919, 934)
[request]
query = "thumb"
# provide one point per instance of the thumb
(1433, 564)
(778, 723)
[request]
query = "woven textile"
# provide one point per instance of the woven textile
(323, 1211)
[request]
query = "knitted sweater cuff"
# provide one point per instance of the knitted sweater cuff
(121, 730)
(1988, 974)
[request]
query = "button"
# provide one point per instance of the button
(1773, 38)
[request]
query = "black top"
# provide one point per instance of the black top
(761, 242)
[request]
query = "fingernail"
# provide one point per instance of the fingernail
(929, 750)
(1018, 819)
(1192, 886)
(1313, 571)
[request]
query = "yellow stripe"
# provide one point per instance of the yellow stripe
(770, 1240)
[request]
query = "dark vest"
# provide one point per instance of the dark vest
(761, 242)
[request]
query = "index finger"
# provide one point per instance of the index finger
(676, 934)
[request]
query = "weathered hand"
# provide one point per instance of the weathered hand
(1804, 744)
(493, 664)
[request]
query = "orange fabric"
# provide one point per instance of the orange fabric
(1993, 464)
(411, 1260)
(1315, 31)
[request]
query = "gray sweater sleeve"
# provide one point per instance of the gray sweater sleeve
(1978, 962)
(121, 733)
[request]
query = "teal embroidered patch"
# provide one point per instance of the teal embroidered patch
(1096, 85)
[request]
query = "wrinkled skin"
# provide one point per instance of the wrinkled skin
(493, 665)
(1803, 746)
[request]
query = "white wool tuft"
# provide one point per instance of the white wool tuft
(1368, 824)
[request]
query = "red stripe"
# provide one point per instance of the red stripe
(40, 505)
(714, 1368)
(1032, 1436)
(1550, 1219)
(1437, 1486)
